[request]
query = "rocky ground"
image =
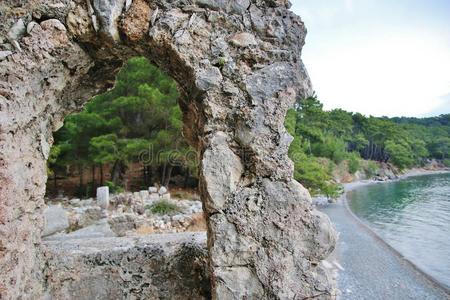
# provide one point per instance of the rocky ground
(368, 268)
(124, 215)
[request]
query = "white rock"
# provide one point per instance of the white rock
(75, 202)
(4, 54)
(153, 197)
(327, 265)
(56, 220)
(17, 30)
(87, 202)
(30, 26)
(152, 189)
(144, 195)
(128, 4)
(166, 196)
(162, 190)
(103, 197)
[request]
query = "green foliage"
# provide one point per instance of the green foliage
(339, 136)
(138, 121)
(371, 168)
(400, 153)
(114, 188)
(446, 162)
(353, 162)
(163, 207)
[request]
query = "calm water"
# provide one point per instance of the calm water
(413, 216)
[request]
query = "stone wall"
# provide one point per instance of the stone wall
(170, 266)
(239, 69)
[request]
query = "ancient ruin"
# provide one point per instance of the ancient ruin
(238, 66)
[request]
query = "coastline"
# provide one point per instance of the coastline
(366, 227)
(409, 173)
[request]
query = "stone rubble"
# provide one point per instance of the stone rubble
(129, 214)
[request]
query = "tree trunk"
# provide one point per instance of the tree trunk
(163, 177)
(149, 175)
(101, 174)
(115, 172)
(55, 185)
(168, 176)
(186, 178)
(80, 170)
(93, 180)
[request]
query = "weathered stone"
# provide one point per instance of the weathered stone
(162, 190)
(90, 216)
(243, 39)
(17, 31)
(222, 170)
(152, 199)
(103, 197)
(75, 202)
(170, 266)
(166, 196)
(56, 220)
(234, 100)
(31, 26)
(4, 54)
(137, 20)
(120, 224)
(144, 195)
(99, 229)
(208, 78)
(108, 13)
(79, 23)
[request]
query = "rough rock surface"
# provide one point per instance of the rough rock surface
(172, 266)
(56, 220)
(238, 67)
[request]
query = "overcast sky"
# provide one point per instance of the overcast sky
(379, 57)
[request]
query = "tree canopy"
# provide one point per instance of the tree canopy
(138, 121)
(323, 139)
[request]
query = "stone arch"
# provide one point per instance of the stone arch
(239, 69)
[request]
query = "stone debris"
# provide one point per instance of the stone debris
(17, 31)
(244, 39)
(128, 214)
(56, 220)
(162, 190)
(5, 54)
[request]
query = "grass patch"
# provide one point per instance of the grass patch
(163, 207)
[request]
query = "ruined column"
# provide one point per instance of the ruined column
(239, 70)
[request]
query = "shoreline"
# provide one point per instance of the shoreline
(366, 227)
(349, 186)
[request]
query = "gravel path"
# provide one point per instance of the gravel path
(372, 270)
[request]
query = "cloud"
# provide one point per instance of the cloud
(349, 5)
(402, 74)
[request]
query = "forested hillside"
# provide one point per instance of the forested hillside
(138, 123)
(324, 139)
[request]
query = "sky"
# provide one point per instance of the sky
(379, 57)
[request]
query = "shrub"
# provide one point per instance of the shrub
(114, 188)
(371, 168)
(163, 207)
(353, 162)
(446, 162)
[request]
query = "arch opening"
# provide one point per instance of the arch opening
(238, 67)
